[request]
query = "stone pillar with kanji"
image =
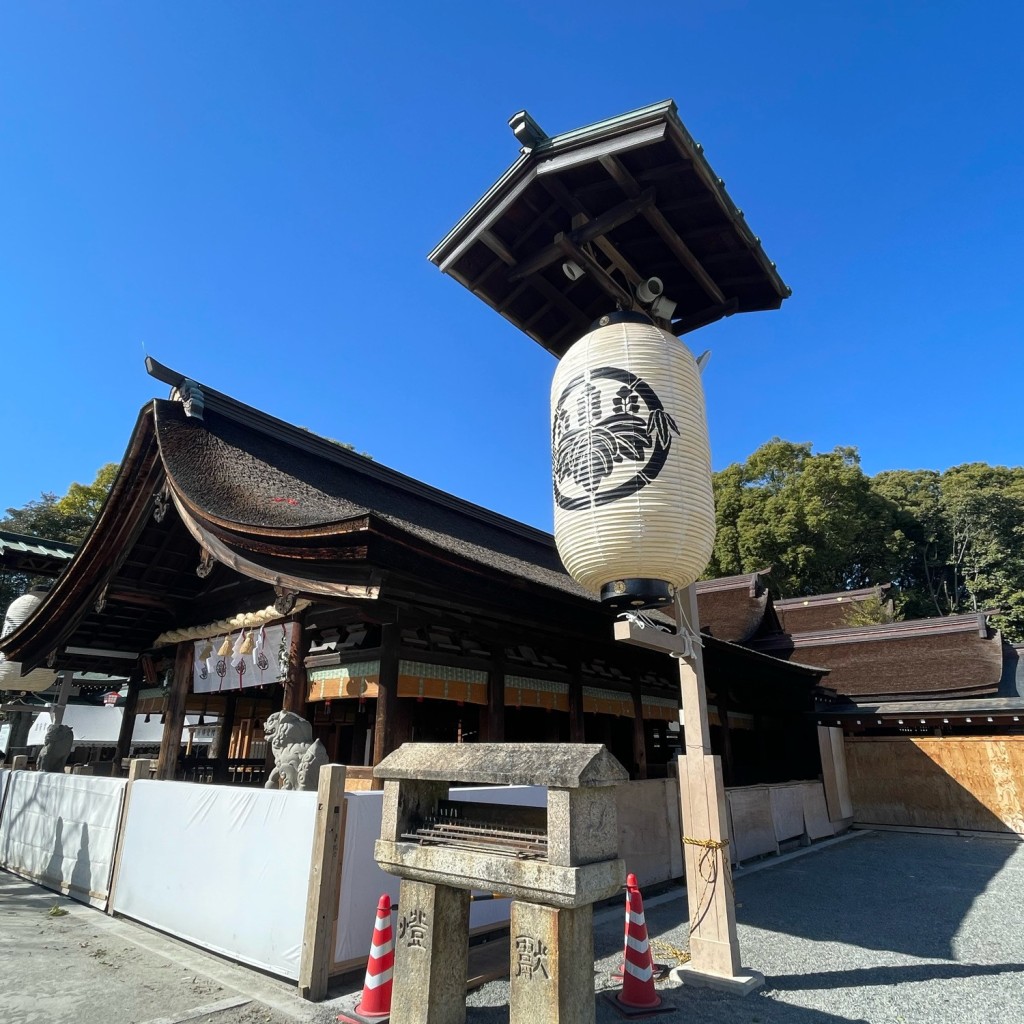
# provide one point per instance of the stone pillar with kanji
(431, 954)
(551, 964)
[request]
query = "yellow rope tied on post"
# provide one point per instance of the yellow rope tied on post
(707, 868)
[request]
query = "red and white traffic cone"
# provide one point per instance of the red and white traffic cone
(638, 995)
(659, 969)
(375, 1004)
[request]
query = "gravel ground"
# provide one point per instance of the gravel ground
(882, 927)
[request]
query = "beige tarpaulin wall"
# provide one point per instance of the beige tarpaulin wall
(974, 783)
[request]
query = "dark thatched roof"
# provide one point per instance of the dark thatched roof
(241, 476)
(828, 611)
(735, 608)
(954, 656)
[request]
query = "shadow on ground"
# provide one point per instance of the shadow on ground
(905, 893)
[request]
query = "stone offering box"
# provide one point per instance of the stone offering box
(554, 864)
(564, 857)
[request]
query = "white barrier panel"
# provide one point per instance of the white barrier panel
(60, 830)
(363, 882)
(816, 820)
(225, 868)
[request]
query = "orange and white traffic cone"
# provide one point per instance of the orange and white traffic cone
(375, 1005)
(638, 996)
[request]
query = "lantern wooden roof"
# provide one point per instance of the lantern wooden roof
(626, 199)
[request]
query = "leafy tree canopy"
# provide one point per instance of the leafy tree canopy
(952, 542)
(67, 518)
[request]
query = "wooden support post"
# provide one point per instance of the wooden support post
(385, 733)
(324, 877)
(357, 750)
(295, 682)
(728, 767)
(138, 768)
(714, 946)
(639, 735)
(124, 735)
(223, 738)
(493, 720)
(174, 716)
(67, 678)
(577, 724)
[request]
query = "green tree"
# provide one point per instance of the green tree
(917, 496)
(967, 528)
(67, 518)
(813, 517)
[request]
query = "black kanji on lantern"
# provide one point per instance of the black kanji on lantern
(588, 449)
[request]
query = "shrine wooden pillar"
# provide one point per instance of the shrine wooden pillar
(294, 698)
(492, 723)
(174, 716)
(223, 740)
(124, 735)
(387, 727)
(577, 725)
(639, 733)
(728, 768)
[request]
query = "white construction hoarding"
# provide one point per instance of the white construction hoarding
(61, 831)
(226, 868)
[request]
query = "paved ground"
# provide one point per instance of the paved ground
(885, 927)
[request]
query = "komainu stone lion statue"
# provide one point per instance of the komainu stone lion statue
(297, 756)
(56, 748)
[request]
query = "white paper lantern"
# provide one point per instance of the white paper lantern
(634, 511)
(10, 671)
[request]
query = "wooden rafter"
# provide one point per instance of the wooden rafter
(668, 234)
(591, 230)
(576, 208)
(704, 317)
(601, 277)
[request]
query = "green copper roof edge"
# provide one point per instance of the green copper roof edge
(556, 143)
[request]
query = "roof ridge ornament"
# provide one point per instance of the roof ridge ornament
(527, 131)
(190, 394)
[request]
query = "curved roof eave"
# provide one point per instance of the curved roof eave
(127, 504)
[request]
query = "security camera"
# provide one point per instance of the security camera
(647, 291)
(572, 270)
(663, 308)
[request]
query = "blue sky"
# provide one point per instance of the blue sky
(248, 191)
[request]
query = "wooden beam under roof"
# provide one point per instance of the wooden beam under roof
(614, 166)
(604, 280)
(592, 230)
(556, 189)
(704, 317)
